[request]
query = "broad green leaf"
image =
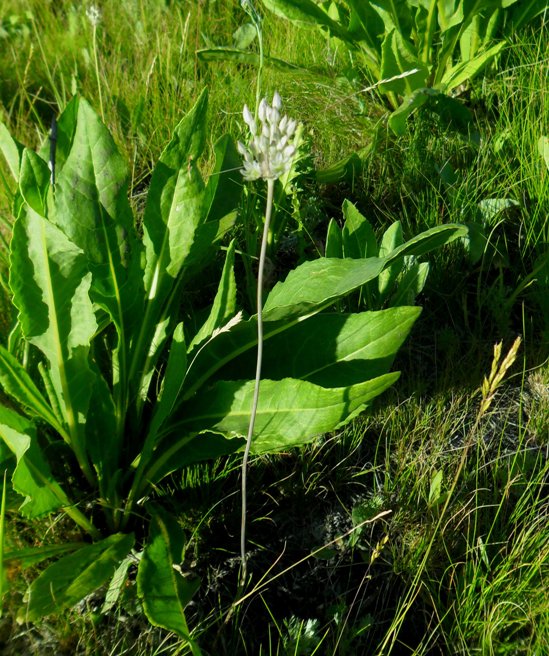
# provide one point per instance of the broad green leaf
(359, 239)
(290, 412)
(429, 240)
(92, 183)
(16, 383)
(224, 304)
(392, 238)
(172, 382)
(173, 216)
(524, 12)
(306, 12)
(34, 555)
(162, 588)
(32, 477)
(175, 451)
(244, 36)
(315, 285)
(398, 61)
(70, 579)
(225, 183)
(410, 284)
(331, 350)
(117, 584)
(249, 58)
(12, 151)
(34, 181)
(66, 127)
(398, 118)
(334, 242)
(174, 204)
(103, 436)
(467, 70)
(50, 283)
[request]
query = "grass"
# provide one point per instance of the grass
(422, 528)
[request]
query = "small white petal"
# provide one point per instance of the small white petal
(277, 101)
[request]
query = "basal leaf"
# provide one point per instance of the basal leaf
(359, 239)
(331, 350)
(468, 69)
(224, 304)
(334, 242)
(429, 240)
(34, 181)
(71, 578)
(174, 205)
(162, 588)
(290, 412)
(16, 383)
(392, 238)
(225, 185)
(92, 184)
(12, 151)
(315, 285)
(32, 477)
(50, 281)
(306, 12)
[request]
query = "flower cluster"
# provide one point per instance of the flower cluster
(271, 149)
(94, 15)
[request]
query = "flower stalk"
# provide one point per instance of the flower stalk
(268, 155)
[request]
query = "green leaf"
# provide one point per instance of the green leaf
(306, 12)
(290, 412)
(410, 284)
(468, 69)
(35, 555)
(16, 383)
(392, 238)
(34, 181)
(317, 284)
(397, 58)
(12, 151)
(359, 239)
(429, 240)
(163, 590)
(32, 477)
(244, 36)
(225, 185)
(174, 204)
(331, 350)
(224, 304)
(175, 451)
(92, 183)
(50, 283)
(75, 576)
(173, 216)
(239, 56)
(334, 243)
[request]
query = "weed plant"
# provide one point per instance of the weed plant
(435, 573)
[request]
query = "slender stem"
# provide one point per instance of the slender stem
(268, 211)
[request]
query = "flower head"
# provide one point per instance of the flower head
(94, 15)
(271, 148)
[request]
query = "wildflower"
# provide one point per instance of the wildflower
(94, 15)
(271, 148)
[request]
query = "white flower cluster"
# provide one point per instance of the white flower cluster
(271, 149)
(94, 15)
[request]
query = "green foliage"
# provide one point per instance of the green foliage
(416, 52)
(403, 277)
(118, 388)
